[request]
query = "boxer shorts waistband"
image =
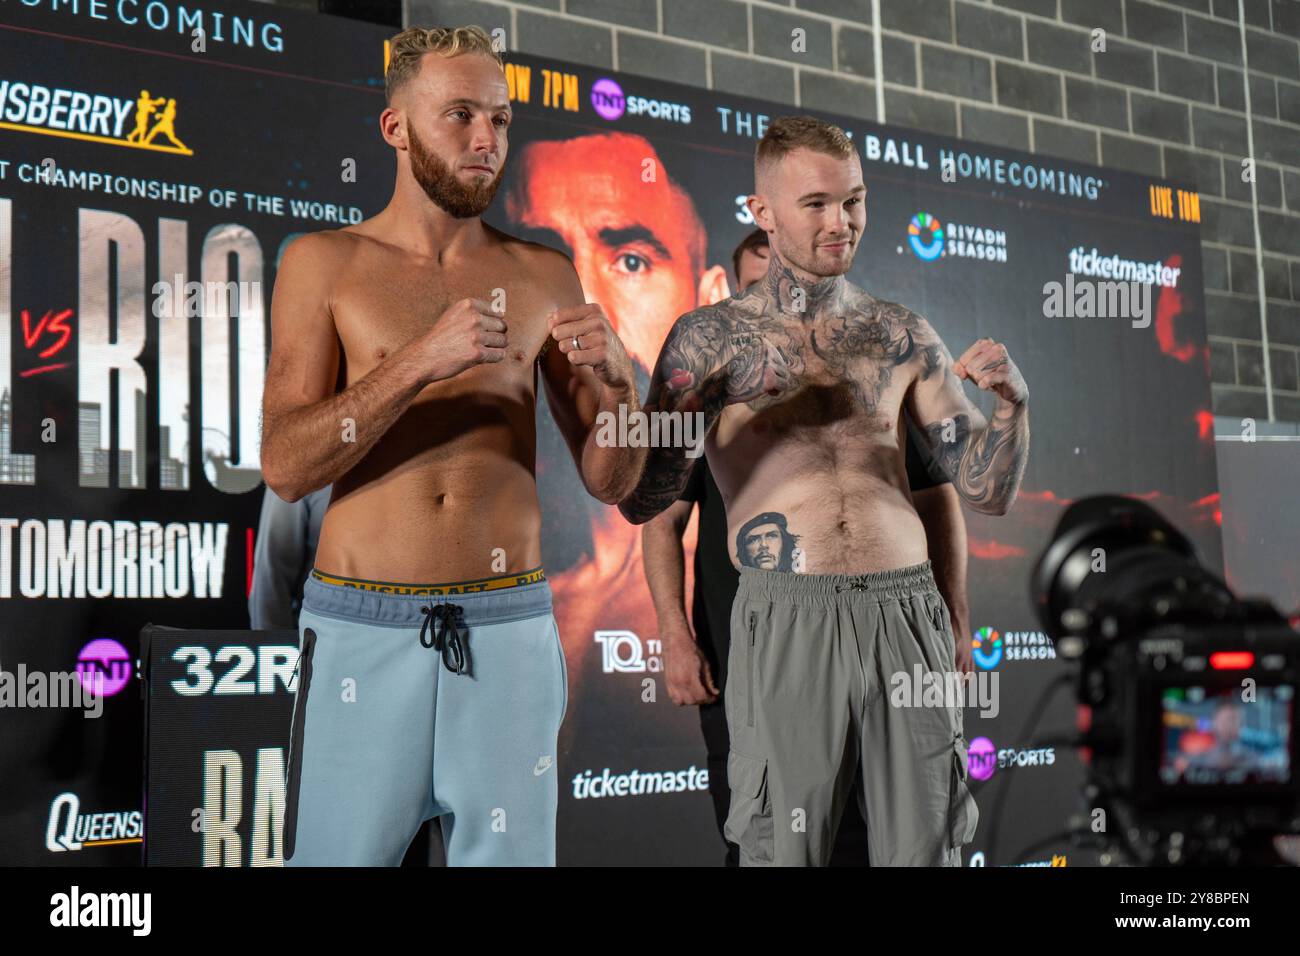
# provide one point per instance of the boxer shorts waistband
(526, 594)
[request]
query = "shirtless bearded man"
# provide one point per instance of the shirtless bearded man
(431, 679)
(801, 380)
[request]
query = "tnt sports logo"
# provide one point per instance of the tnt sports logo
(103, 667)
(144, 122)
(986, 648)
(981, 758)
(607, 99)
(925, 236)
(621, 653)
(70, 829)
(609, 102)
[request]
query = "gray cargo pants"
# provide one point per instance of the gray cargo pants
(813, 661)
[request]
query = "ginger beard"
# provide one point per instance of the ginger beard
(440, 184)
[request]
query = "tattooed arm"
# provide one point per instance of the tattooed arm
(984, 459)
(713, 357)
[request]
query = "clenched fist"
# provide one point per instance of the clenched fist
(467, 334)
(585, 337)
(987, 364)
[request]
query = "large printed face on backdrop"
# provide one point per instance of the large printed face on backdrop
(640, 250)
(636, 240)
(452, 118)
(814, 208)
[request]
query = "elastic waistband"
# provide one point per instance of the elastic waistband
(368, 602)
(825, 590)
(458, 587)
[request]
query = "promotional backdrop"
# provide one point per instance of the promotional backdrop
(129, 421)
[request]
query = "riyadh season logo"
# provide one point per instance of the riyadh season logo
(986, 648)
(989, 648)
(929, 239)
(925, 236)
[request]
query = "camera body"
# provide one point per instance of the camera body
(1188, 693)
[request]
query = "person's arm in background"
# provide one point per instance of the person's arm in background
(278, 555)
(939, 507)
(686, 670)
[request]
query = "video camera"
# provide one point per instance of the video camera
(1188, 693)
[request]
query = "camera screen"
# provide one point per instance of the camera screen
(1213, 738)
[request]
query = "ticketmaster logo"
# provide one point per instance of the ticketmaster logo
(637, 783)
(1093, 263)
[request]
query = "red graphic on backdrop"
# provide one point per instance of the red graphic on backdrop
(1169, 307)
(1210, 503)
(52, 322)
(991, 550)
(1205, 425)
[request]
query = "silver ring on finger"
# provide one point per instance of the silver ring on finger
(576, 344)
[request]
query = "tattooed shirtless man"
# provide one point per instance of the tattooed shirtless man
(802, 380)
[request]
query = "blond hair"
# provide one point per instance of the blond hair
(408, 48)
(785, 134)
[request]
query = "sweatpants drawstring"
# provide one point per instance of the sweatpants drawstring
(446, 637)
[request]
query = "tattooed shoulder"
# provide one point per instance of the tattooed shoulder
(927, 350)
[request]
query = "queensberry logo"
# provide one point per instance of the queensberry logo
(145, 122)
(70, 829)
(925, 236)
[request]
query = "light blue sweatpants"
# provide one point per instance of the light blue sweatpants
(409, 707)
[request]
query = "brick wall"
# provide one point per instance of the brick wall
(1167, 98)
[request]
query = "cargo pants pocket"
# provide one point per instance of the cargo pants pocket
(963, 813)
(749, 821)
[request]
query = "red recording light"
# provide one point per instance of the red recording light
(1232, 660)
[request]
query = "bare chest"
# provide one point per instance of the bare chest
(381, 309)
(847, 378)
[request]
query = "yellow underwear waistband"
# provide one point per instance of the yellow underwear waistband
(457, 587)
